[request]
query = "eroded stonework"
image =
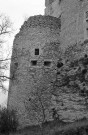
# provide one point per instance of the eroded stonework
(36, 49)
(42, 42)
(73, 15)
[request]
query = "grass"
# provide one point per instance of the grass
(56, 128)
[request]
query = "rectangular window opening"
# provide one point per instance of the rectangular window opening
(34, 62)
(37, 51)
(87, 32)
(47, 63)
(60, 1)
(86, 14)
(16, 64)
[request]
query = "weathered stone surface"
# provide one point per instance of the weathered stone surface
(71, 94)
(41, 32)
(73, 21)
(48, 2)
(69, 91)
(53, 9)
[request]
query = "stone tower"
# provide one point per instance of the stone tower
(34, 58)
(36, 51)
(74, 19)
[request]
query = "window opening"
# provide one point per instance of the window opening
(60, 1)
(87, 20)
(34, 62)
(87, 31)
(37, 51)
(59, 64)
(16, 64)
(47, 63)
(86, 14)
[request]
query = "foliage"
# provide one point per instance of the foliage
(8, 121)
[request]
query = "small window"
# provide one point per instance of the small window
(86, 14)
(87, 20)
(87, 31)
(60, 1)
(37, 51)
(34, 62)
(16, 64)
(59, 64)
(47, 63)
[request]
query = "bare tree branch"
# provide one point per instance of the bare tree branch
(5, 30)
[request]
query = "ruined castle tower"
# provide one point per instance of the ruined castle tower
(36, 51)
(74, 19)
(34, 58)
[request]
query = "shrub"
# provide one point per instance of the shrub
(8, 121)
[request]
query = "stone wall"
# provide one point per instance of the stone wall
(72, 12)
(31, 72)
(53, 8)
(38, 32)
(72, 18)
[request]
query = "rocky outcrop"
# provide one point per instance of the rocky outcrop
(71, 85)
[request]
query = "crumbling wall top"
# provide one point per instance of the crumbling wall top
(41, 21)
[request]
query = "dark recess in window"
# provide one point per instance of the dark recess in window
(60, 1)
(86, 14)
(86, 41)
(37, 51)
(16, 64)
(87, 20)
(34, 62)
(59, 64)
(13, 71)
(84, 71)
(85, 55)
(47, 63)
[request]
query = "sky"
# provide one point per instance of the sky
(18, 11)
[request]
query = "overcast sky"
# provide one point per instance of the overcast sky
(17, 10)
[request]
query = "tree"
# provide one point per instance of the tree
(8, 121)
(38, 104)
(5, 30)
